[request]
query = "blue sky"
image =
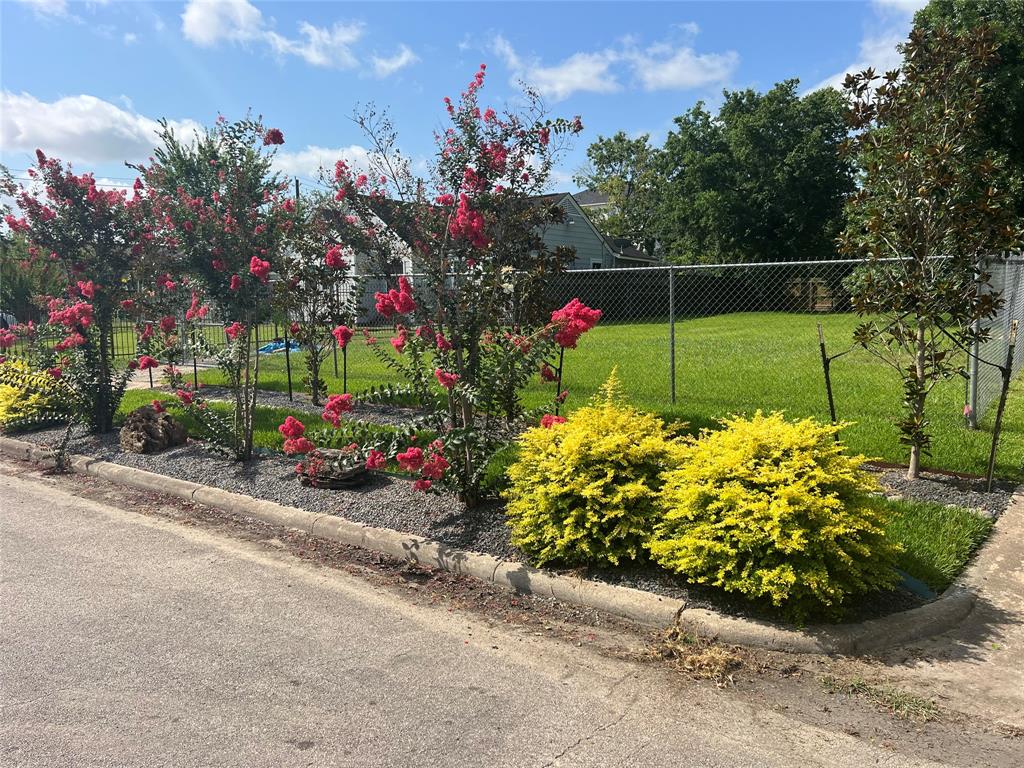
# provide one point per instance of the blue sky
(85, 81)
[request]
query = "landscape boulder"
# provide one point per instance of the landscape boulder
(147, 430)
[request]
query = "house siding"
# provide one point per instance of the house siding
(577, 232)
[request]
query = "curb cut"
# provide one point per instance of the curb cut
(636, 605)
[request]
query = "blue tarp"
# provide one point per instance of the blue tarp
(278, 346)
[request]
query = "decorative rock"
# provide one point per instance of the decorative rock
(331, 471)
(147, 431)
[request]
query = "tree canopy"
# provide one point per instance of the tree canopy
(763, 180)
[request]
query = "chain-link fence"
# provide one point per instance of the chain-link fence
(674, 330)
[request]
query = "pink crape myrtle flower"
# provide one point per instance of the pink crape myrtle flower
(445, 379)
(572, 321)
(336, 405)
(548, 420)
(146, 362)
(334, 258)
(376, 460)
(273, 136)
(396, 302)
(298, 445)
(410, 459)
(343, 335)
(234, 330)
(292, 428)
(259, 268)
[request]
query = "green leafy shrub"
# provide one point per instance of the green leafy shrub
(775, 510)
(584, 492)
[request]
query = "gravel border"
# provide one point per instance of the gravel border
(950, 490)
(389, 501)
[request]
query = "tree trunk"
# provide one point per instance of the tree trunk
(917, 404)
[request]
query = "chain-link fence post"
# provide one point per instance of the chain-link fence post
(672, 331)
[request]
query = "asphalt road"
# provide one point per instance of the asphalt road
(134, 641)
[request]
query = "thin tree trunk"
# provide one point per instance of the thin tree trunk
(917, 406)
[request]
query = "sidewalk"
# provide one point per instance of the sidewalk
(978, 667)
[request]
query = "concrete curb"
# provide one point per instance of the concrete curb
(637, 605)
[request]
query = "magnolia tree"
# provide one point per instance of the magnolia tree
(223, 213)
(473, 327)
(930, 207)
(319, 290)
(96, 238)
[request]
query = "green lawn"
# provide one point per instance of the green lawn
(738, 363)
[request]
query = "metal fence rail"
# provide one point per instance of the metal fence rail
(657, 301)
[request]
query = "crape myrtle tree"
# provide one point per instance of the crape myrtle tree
(222, 212)
(473, 326)
(320, 289)
(95, 238)
(931, 198)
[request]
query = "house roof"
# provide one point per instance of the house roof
(591, 197)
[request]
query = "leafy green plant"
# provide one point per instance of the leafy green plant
(584, 491)
(777, 511)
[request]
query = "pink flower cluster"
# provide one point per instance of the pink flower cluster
(446, 379)
(396, 302)
(273, 136)
(293, 431)
(259, 268)
(334, 258)
(196, 310)
(146, 362)
(431, 468)
(572, 321)
(343, 335)
(234, 330)
(468, 224)
(335, 406)
(77, 315)
(548, 420)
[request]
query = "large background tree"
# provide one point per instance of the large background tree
(931, 203)
(1003, 129)
(763, 180)
(627, 171)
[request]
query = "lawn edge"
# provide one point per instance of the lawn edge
(642, 607)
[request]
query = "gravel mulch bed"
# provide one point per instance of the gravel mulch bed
(390, 502)
(949, 490)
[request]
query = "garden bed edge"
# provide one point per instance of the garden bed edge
(637, 605)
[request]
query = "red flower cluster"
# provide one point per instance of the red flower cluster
(234, 330)
(376, 460)
(398, 302)
(77, 315)
(168, 323)
(573, 320)
(87, 289)
(196, 311)
(259, 268)
(343, 335)
(7, 338)
(146, 362)
(336, 405)
(185, 396)
(298, 445)
(334, 258)
(468, 224)
(236, 282)
(549, 419)
(399, 341)
(445, 379)
(547, 373)
(273, 136)
(292, 428)
(431, 469)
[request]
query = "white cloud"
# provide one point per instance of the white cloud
(587, 72)
(206, 22)
(130, 38)
(893, 20)
(52, 8)
(387, 66)
(661, 66)
(308, 162)
(209, 22)
(80, 128)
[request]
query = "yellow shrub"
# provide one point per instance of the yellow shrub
(20, 407)
(583, 492)
(774, 510)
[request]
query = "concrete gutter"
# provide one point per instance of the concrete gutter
(637, 605)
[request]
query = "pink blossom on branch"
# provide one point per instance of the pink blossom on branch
(292, 427)
(572, 321)
(259, 268)
(343, 335)
(446, 379)
(334, 258)
(376, 460)
(273, 136)
(548, 420)
(234, 330)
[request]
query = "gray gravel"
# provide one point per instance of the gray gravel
(949, 490)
